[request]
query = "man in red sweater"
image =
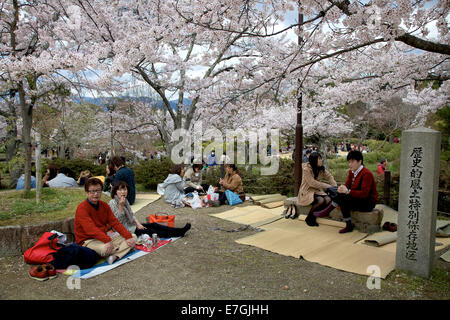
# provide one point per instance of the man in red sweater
(97, 228)
(358, 193)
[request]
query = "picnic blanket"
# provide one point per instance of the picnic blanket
(143, 199)
(269, 200)
(323, 244)
(102, 266)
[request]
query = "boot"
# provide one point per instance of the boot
(311, 220)
(348, 227)
(325, 212)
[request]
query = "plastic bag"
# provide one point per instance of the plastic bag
(210, 190)
(195, 202)
(232, 198)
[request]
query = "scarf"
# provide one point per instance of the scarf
(126, 209)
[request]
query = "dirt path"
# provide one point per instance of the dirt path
(208, 264)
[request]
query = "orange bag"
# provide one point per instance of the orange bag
(162, 218)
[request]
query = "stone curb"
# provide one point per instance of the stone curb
(15, 240)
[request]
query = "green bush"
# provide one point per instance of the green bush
(151, 172)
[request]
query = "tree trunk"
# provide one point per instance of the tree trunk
(27, 118)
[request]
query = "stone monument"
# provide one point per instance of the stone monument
(419, 182)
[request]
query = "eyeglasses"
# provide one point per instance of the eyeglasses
(94, 191)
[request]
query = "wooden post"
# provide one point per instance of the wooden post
(387, 187)
(38, 168)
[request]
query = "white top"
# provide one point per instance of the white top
(61, 181)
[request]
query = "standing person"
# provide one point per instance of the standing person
(97, 228)
(124, 173)
(212, 159)
(174, 187)
(311, 190)
(358, 193)
(381, 168)
(122, 210)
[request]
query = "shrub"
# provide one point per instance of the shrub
(152, 172)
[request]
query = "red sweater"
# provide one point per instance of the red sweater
(93, 224)
(364, 186)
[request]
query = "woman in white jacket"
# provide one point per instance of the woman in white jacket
(174, 187)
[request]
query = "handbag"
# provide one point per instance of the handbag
(163, 219)
(232, 198)
(42, 251)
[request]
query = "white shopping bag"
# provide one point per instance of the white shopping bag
(210, 190)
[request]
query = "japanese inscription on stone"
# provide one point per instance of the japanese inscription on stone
(415, 202)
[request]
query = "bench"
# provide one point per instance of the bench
(367, 222)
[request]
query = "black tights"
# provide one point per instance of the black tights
(162, 231)
(320, 202)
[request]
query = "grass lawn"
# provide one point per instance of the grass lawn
(56, 204)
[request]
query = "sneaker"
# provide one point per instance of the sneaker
(38, 273)
(51, 271)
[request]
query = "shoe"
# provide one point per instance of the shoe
(111, 259)
(38, 273)
(390, 226)
(348, 228)
(295, 215)
(311, 220)
(289, 213)
(51, 271)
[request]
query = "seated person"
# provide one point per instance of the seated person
(359, 192)
(123, 173)
(62, 179)
(232, 181)
(311, 190)
(84, 175)
(193, 178)
(110, 173)
(97, 228)
(50, 173)
(21, 182)
(122, 210)
(174, 187)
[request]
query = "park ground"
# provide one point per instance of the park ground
(207, 264)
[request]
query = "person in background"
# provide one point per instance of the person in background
(21, 182)
(232, 181)
(122, 211)
(381, 168)
(358, 193)
(50, 173)
(62, 179)
(212, 159)
(110, 174)
(84, 176)
(126, 174)
(306, 156)
(97, 228)
(193, 178)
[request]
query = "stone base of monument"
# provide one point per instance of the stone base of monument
(367, 222)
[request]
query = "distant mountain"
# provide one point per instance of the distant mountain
(104, 101)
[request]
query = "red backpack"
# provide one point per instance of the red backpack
(42, 251)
